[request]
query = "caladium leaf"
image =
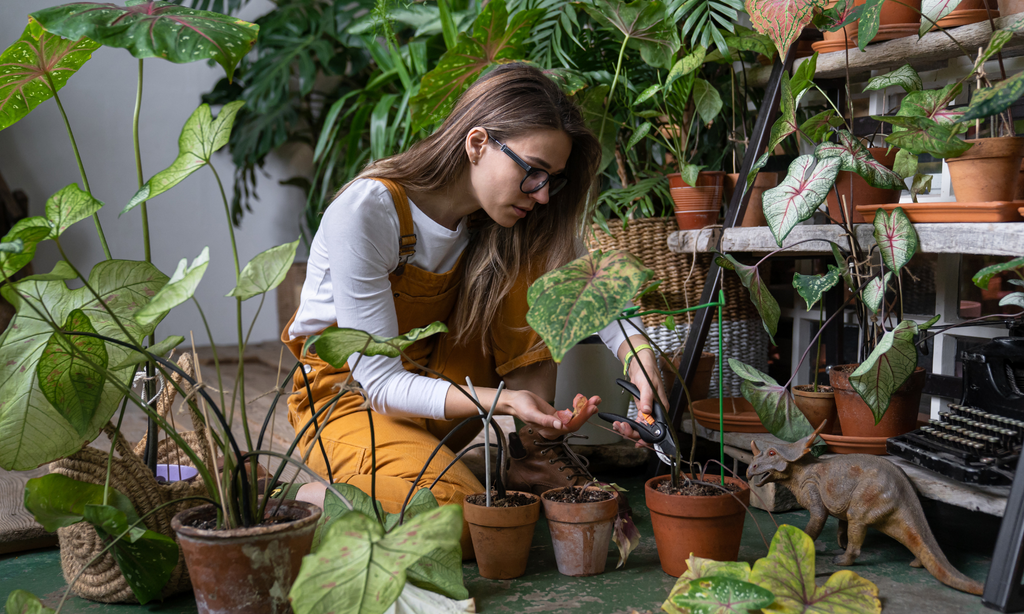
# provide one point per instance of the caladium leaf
(1014, 298)
(812, 287)
(982, 277)
(155, 29)
(888, 366)
(922, 135)
(933, 104)
(68, 206)
(784, 126)
(58, 501)
(491, 42)
(855, 157)
(745, 39)
(625, 537)
(71, 371)
(773, 403)
(1017, 26)
(905, 164)
(335, 345)
(905, 76)
(761, 296)
(934, 10)
(896, 238)
(578, 299)
(994, 100)
(24, 602)
(922, 184)
(32, 431)
(265, 271)
(819, 125)
(706, 100)
(697, 567)
(716, 595)
(870, 15)
(200, 137)
(781, 20)
(29, 231)
(181, 287)
(838, 16)
(874, 291)
(645, 23)
(788, 572)
(34, 67)
(798, 195)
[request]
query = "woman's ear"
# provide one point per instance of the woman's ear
(476, 144)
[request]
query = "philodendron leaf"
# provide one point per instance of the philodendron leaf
(58, 501)
(922, 135)
(788, 572)
(154, 29)
(905, 76)
(179, 289)
(750, 277)
(146, 558)
(157, 349)
(35, 66)
(994, 100)
(491, 42)
(706, 100)
(855, 157)
(645, 23)
(982, 277)
(69, 205)
(71, 371)
(716, 595)
(819, 125)
(896, 238)
(200, 137)
(575, 301)
(361, 570)
(934, 10)
(781, 20)
(335, 345)
(888, 366)
(266, 271)
(32, 432)
(30, 231)
(798, 195)
(24, 602)
(874, 291)
(773, 403)
(697, 567)
(811, 287)
(784, 126)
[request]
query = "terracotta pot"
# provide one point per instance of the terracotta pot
(708, 527)
(895, 21)
(856, 417)
(968, 12)
(754, 215)
(988, 171)
(858, 192)
(1020, 176)
(502, 536)
(697, 206)
(1010, 7)
(701, 383)
(580, 533)
(817, 406)
(251, 570)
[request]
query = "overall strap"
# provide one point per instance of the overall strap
(407, 238)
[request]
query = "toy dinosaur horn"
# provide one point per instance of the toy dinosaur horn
(809, 440)
(753, 448)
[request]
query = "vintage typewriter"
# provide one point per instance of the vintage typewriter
(979, 440)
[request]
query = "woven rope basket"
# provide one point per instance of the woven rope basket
(79, 543)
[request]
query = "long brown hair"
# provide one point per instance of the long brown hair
(510, 100)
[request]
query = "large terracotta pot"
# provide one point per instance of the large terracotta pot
(817, 406)
(968, 12)
(707, 527)
(502, 536)
(858, 192)
(754, 215)
(580, 533)
(251, 570)
(988, 171)
(697, 206)
(855, 416)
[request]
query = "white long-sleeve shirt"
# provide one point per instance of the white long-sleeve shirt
(358, 235)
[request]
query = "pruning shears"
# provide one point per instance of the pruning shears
(653, 427)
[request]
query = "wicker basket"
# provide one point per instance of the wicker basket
(79, 543)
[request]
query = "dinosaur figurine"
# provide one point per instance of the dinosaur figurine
(861, 491)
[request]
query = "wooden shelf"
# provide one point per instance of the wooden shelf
(929, 52)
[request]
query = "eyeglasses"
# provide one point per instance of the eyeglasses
(536, 178)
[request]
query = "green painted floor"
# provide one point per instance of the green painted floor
(967, 539)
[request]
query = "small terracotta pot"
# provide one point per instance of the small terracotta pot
(502, 536)
(855, 416)
(701, 379)
(249, 570)
(817, 406)
(754, 215)
(851, 184)
(697, 206)
(988, 171)
(708, 527)
(580, 533)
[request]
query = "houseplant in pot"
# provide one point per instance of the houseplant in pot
(581, 519)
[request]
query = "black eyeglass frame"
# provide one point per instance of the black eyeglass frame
(555, 187)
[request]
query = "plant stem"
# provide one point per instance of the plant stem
(138, 165)
(213, 347)
(817, 352)
(113, 443)
(817, 335)
(611, 92)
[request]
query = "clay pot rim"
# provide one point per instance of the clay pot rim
(991, 147)
(178, 525)
(807, 390)
(651, 485)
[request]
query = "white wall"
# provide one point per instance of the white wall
(36, 156)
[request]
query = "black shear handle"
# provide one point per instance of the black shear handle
(658, 411)
(645, 431)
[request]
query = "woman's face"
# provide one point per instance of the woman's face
(495, 177)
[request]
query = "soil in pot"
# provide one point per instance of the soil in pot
(581, 522)
(502, 533)
(708, 526)
(817, 406)
(855, 416)
(248, 570)
(754, 215)
(858, 192)
(988, 171)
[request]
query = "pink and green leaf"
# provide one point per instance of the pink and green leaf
(874, 291)
(798, 195)
(888, 366)
(760, 294)
(69, 205)
(838, 16)
(781, 20)
(896, 238)
(855, 157)
(920, 135)
(773, 403)
(71, 371)
(934, 10)
(933, 104)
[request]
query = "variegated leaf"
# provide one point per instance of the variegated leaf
(812, 287)
(855, 157)
(870, 15)
(922, 184)
(934, 10)
(896, 238)
(69, 205)
(905, 164)
(716, 595)
(933, 104)
(781, 20)
(335, 345)
(819, 125)
(799, 194)
(922, 135)
(773, 403)
(993, 100)
(784, 126)
(874, 291)
(888, 366)
(762, 297)
(905, 76)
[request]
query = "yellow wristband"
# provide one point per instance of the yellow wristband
(629, 356)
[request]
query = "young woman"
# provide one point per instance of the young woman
(454, 230)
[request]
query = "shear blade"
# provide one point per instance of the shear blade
(664, 457)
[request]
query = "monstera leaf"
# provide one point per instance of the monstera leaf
(716, 595)
(874, 291)
(799, 195)
(335, 345)
(934, 10)
(811, 287)
(994, 100)
(265, 271)
(905, 76)
(491, 42)
(784, 126)
(750, 277)
(896, 238)
(179, 288)
(922, 135)
(155, 29)
(33, 430)
(577, 300)
(788, 571)
(888, 366)
(35, 67)
(773, 403)
(781, 20)
(645, 25)
(982, 277)
(855, 157)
